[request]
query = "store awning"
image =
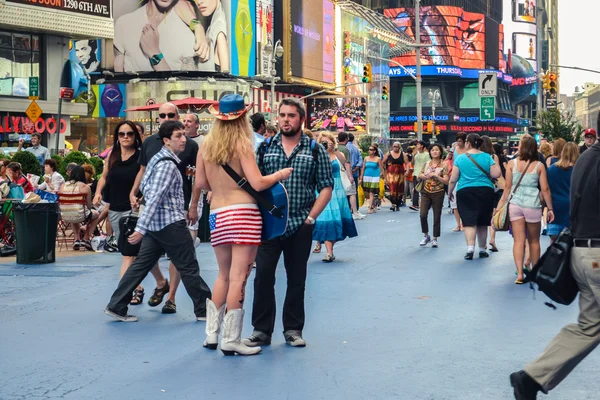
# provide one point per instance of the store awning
(382, 27)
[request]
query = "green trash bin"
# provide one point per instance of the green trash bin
(35, 226)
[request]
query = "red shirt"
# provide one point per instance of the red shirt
(25, 184)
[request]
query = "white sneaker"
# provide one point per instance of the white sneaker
(434, 243)
(357, 215)
(425, 241)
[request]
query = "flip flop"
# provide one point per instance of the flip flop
(493, 248)
(519, 282)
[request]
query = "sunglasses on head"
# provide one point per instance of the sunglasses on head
(123, 134)
(170, 115)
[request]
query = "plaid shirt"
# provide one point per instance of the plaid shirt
(307, 179)
(162, 187)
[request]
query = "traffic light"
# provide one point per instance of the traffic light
(437, 130)
(553, 84)
(416, 127)
(430, 126)
(384, 93)
(368, 73)
(546, 81)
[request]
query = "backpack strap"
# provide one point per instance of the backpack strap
(262, 150)
(315, 150)
(168, 159)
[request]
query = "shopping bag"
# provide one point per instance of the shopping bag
(361, 196)
(381, 189)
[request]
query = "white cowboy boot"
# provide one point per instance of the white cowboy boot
(232, 333)
(214, 319)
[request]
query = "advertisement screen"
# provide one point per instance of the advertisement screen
(337, 114)
(86, 52)
(524, 45)
(183, 35)
(457, 37)
(313, 40)
(523, 11)
(264, 33)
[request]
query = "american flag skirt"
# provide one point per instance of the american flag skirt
(236, 224)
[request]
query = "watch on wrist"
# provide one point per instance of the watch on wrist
(311, 220)
(156, 59)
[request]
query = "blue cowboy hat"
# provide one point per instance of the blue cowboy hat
(230, 107)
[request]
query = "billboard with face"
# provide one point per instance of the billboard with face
(185, 35)
(457, 37)
(86, 52)
(524, 11)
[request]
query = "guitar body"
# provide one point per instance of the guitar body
(273, 226)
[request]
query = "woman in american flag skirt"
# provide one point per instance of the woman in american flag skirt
(235, 220)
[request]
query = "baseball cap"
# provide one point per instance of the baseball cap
(590, 132)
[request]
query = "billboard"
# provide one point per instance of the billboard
(524, 45)
(96, 8)
(311, 57)
(264, 33)
(87, 53)
(524, 11)
(338, 114)
(183, 35)
(520, 30)
(457, 37)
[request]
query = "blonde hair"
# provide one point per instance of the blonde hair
(558, 146)
(330, 136)
(546, 150)
(569, 155)
(227, 139)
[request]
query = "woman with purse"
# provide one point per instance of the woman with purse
(525, 173)
(118, 176)
(394, 163)
(472, 177)
(235, 219)
(335, 223)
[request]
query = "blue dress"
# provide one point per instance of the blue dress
(559, 181)
(335, 222)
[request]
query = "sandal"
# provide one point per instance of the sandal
(519, 282)
(329, 258)
(493, 248)
(457, 229)
(138, 297)
(317, 249)
(158, 295)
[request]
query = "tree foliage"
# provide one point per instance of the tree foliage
(76, 157)
(29, 163)
(554, 125)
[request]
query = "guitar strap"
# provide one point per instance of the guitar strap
(244, 184)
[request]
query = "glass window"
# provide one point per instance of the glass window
(408, 98)
(469, 96)
(20, 59)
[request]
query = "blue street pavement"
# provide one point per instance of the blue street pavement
(386, 320)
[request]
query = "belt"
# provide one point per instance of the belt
(590, 243)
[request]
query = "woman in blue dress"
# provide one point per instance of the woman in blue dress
(335, 222)
(559, 181)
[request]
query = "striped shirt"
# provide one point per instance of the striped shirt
(162, 187)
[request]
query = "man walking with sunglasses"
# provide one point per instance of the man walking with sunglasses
(151, 146)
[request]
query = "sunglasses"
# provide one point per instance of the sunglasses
(371, 149)
(170, 115)
(123, 134)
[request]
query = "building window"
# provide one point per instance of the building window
(469, 96)
(408, 97)
(20, 58)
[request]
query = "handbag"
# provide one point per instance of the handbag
(273, 204)
(500, 220)
(349, 188)
(552, 272)
(127, 226)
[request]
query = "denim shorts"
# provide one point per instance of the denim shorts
(531, 215)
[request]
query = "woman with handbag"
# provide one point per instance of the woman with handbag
(235, 219)
(395, 164)
(472, 177)
(525, 174)
(118, 176)
(335, 223)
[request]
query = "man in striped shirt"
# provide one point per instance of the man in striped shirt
(162, 227)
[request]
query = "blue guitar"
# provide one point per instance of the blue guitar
(273, 204)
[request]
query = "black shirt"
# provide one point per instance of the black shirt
(586, 223)
(153, 144)
(582, 148)
(119, 181)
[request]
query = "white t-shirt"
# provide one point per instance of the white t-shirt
(176, 40)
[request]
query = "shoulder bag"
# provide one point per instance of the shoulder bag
(552, 272)
(500, 220)
(348, 187)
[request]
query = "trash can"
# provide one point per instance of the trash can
(203, 227)
(35, 225)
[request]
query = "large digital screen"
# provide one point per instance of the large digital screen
(524, 11)
(524, 44)
(157, 35)
(457, 38)
(312, 52)
(338, 114)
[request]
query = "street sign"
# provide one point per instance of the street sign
(34, 112)
(487, 111)
(34, 88)
(66, 93)
(488, 84)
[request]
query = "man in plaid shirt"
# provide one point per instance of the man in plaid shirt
(290, 148)
(162, 227)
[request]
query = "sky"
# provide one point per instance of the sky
(579, 27)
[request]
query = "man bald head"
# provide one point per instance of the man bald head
(167, 112)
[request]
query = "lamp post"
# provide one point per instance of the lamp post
(434, 96)
(273, 53)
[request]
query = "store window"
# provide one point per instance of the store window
(92, 135)
(20, 58)
(469, 96)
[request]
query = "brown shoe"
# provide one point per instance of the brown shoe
(159, 294)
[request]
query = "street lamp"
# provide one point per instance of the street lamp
(434, 96)
(273, 53)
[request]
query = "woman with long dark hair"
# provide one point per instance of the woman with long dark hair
(435, 177)
(118, 177)
(474, 193)
(395, 163)
(16, 176)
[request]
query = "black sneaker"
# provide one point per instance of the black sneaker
(257, 339)
(76, 245)
(120, 317)
(469, 255)
(525, 388)
(87, 245)
(294, 339)
(484, 254)
(169, 308)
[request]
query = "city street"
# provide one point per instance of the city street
(386, 320)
